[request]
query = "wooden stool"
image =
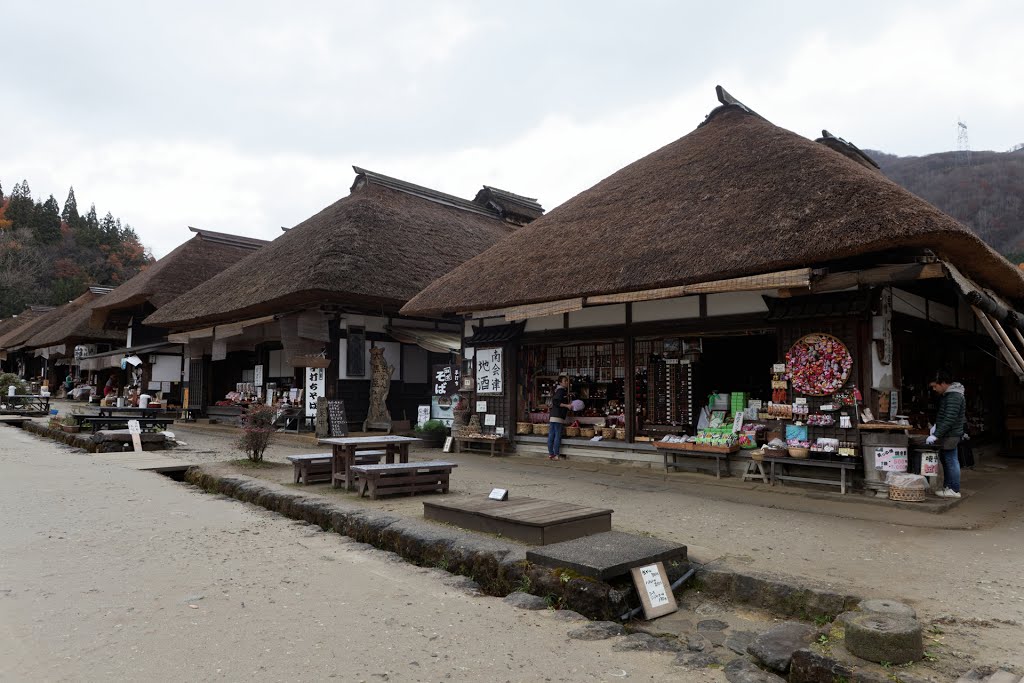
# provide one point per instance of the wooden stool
(755, 470)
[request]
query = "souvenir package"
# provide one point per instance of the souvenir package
(818, 365)
(825, 420)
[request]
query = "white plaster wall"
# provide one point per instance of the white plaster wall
(598, 316)
(733, 303)
(547, 322)
(666, 309)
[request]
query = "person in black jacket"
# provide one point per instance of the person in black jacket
(559, 409)
(949, 428)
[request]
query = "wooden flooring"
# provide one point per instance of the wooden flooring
(531, 520)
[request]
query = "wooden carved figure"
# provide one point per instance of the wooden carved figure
(380, 385)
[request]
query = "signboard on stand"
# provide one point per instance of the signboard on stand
(314, 389)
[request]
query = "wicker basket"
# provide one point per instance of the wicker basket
(620, 433)
(799, 453)
(572, 432)
(524, 428)
(757, 455)
(541, 429)
(908, 495)
(587, 432)
(608, 432)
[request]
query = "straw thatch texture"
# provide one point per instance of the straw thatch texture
(738, 196)
(378, 246)
(9, 325)
(25, 325)
(180, 271)
(70, 324)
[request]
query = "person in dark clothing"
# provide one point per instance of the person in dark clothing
(949, 428)
(559, 410)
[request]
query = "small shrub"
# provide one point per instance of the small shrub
(257, 430)
(9, 378)
(68, 420)
(432, 428)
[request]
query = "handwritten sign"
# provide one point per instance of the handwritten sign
(337, 421)
(737, 422)
(481, 406)
(422, 414)
(314, 389)
(490, 366)
(257, 376)
(655, 593)
(930, 464)
(447, 448)
(891, 459)
(135, 429)
(490, 420)
(445, 380)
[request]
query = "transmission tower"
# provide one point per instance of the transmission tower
(963, 147)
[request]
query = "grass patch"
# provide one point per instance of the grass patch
(246, 463)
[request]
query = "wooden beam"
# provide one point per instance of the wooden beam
(800, 277)
(1006, 340)
(882, 275)
(1010, 360)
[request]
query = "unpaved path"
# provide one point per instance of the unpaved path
(108, 574)
(964, 563)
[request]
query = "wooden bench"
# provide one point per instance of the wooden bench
(801, 462)
(313, 468)
(410, 477)
(107, 422)
(675, 464)
(467, 442)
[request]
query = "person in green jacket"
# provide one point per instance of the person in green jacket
(949, 428)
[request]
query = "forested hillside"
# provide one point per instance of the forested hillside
(985, 192)
(50, 254)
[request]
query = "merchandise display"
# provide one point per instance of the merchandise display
(818, 365)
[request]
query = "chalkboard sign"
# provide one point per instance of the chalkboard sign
(336, 416)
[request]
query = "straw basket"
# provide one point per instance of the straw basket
(620, 433)
(572, 432)
(524, 428)
(904, 494)
(541, 429)
(587, 432)
(757, 455)
(799, 453)
(608, 432)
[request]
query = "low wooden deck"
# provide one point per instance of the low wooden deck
(534, 521)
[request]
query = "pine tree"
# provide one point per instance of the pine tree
(46, 222)
(21, 209)
(70, 212)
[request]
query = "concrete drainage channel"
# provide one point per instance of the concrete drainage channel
(827, 627)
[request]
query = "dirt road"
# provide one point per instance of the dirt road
(110, 574)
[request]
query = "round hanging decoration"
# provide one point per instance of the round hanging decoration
(818, 365)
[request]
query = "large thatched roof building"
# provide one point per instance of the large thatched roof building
(71, 324)
(182, 270)
(738, 196)
(375, 248)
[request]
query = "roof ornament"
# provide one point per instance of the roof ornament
(725, 98)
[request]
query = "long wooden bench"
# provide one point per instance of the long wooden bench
(107, 422)
(313, 468)
(785, 463)
(675, 464)
(468, 442)
(410, 477)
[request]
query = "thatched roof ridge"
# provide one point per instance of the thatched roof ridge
(8, 325)
(24, 326)
(512, 207)
(70, 324)
(378, 246)
(187, 266)
(737, 196)
(847, 149)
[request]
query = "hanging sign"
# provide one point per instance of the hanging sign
(489, 375)
(314, 389)
(930, 464)
(445, 380)
(257, 376)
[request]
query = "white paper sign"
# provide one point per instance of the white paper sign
(490, 376)
(656, 590)
(481, 406)
(498, 494)
(779, 367)
(891, 459)
(500, 431)
(930, 464)
(490, 420)
(737, 422)
(422, 414)
(314, 389)
(133, 427)
(257, 375)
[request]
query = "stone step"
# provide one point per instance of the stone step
(1000, 676)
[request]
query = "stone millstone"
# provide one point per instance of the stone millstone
(883, 638)
(890, 607)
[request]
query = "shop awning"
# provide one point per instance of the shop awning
(498, 334)
(128, 350)
(437, 341)
(996, 316)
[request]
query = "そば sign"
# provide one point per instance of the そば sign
(445, 380)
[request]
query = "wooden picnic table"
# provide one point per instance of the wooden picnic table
(97, 422)
(343, 451)
(411, 478)
(27, 403)
(108, 411)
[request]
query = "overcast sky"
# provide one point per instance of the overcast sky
(243, 117)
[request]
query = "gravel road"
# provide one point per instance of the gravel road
(108, 574)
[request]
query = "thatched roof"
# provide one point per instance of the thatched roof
(738, 196)
(378, 247)
(188, 266)
(24, 326)
(70, 324)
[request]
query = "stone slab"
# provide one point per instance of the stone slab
(606, 555)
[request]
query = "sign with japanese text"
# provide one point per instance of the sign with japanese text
(490, 377)
(445, 380)
(653, 587)
(314, 388)
(891, 459)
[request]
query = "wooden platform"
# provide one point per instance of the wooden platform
(148, 461)
(534, 521)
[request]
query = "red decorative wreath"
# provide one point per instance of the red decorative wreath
(818, 365)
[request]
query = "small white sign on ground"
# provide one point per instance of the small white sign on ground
(655, 591)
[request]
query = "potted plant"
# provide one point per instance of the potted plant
(432, 432)
(68, 424)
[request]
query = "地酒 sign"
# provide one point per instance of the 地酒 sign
(490, 378)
